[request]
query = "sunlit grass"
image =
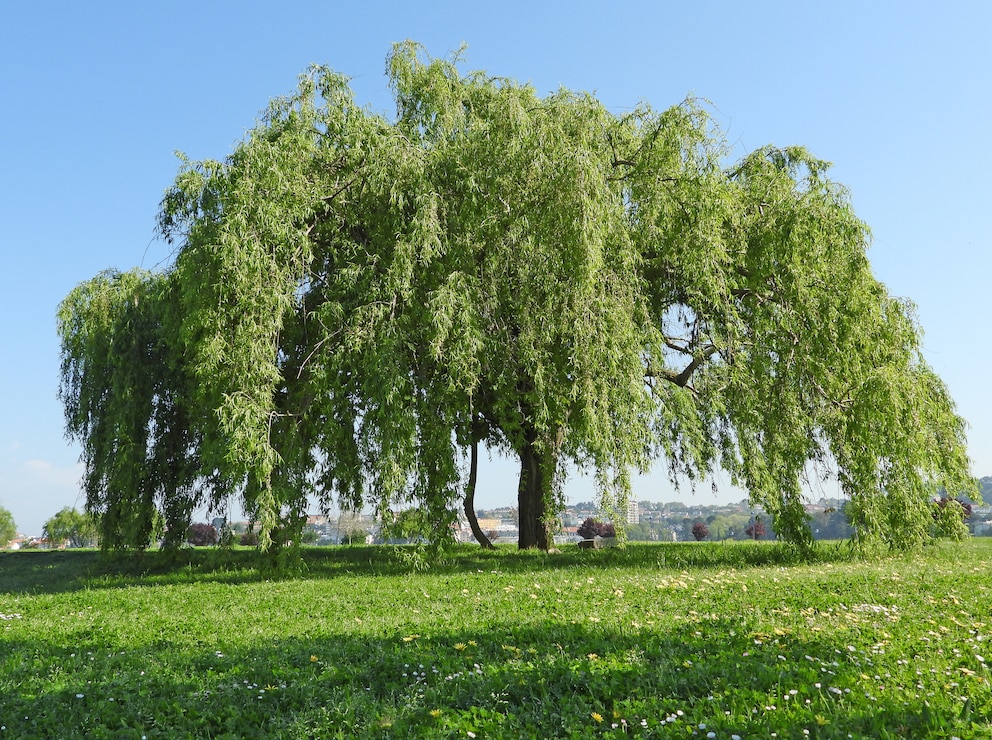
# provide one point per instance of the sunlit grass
(688, 640)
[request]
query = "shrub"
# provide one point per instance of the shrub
(594, 528)
(249, 539)
(201, 534)
(755, 529)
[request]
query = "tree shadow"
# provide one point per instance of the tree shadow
(551, 680)
(71, 570)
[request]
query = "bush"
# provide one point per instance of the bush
(249, 539)
(201, 535)
(756, 529)
(591, 528)
(700, 531)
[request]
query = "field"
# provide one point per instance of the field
(681, 640)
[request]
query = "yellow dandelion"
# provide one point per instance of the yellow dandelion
(821, 720)
(313, 658)
(459, 646)
(592, 656)
(597, 716)
(435, 713)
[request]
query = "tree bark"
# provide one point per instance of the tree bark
(533, 493)
(473, 521)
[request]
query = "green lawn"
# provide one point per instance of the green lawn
(662, 640)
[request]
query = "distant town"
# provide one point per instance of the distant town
(645, 521)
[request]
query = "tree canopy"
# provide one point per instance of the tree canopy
(357, 302)
(8, 528)
(70, 527)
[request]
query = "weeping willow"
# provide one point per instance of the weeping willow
(357, 302)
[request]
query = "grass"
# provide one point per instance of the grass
(667, 640)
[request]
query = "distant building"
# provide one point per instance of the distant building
(633, 512)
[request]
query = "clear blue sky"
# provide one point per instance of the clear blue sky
(97, 96)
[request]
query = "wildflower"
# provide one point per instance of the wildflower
(313, 658)
(821, 720)
(459, 646)
(597, 716)
(435, 713)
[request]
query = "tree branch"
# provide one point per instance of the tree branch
(682, 378)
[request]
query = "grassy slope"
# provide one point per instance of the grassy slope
(671, 640)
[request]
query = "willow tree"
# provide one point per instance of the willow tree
(361, 302)
(125, 390)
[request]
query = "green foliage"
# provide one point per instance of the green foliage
(950, 518)
(985, 486)
(126, 398)
(357, 302)
(8, 529)
(70, 527)
(657, 640)
(405, 524)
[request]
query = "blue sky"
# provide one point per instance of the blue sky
(97, 97)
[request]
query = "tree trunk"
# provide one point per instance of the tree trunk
(537, 472)
(473, 521)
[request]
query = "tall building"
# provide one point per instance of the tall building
(633, 512)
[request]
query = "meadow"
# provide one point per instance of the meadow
(674, 640)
